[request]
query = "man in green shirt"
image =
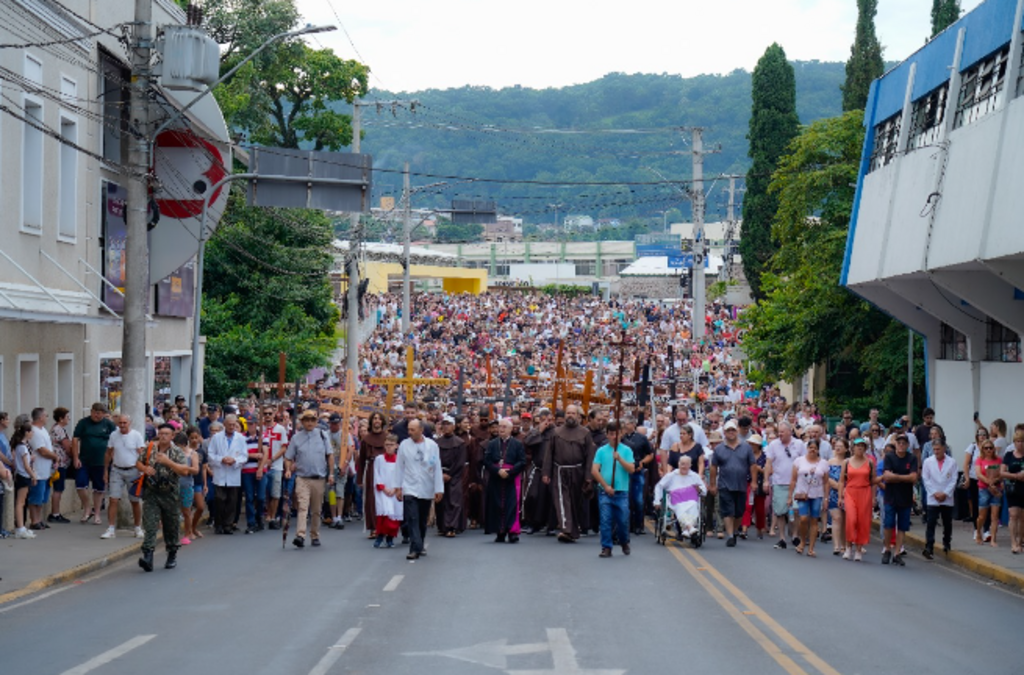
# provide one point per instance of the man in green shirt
(613, 464)
(88, 453)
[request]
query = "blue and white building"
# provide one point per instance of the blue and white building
(937, 233)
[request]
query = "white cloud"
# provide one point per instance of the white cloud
(415, 44)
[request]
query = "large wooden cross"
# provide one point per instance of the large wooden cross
(410, 381)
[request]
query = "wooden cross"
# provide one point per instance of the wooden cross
(622, 343)
(410, 381)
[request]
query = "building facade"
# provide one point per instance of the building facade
(64, 137)
(936, 239)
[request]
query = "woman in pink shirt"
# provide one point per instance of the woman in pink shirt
(807, 488)
(990, 489)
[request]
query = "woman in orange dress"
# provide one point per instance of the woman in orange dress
(856, 495)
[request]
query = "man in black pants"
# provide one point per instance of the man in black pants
(420, 480)
(939, 475)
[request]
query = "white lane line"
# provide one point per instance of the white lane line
(335, 651)
(42, 596)
(108, 656)
(393, 584)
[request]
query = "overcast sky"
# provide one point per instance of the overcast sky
(421, 44)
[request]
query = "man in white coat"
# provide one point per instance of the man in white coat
(228, 452)
(939, 474)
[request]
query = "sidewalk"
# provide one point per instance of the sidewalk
(58, 555)
(995, 563)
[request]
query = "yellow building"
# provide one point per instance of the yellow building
(381, 264)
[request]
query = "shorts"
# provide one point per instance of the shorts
(810, 508)
(188, 495)
(21, 482)
(39, 493)
(898, 517)
(90, 474)
(780, 500)
(732, 503)
(58, 482)
(121, 484)
(987, 499)
(274, 483)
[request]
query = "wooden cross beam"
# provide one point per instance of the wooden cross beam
(410, 381)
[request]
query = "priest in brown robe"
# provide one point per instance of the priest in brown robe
(371, 446)
(451, 518)
(567, 471)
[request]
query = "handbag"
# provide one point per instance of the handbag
(137, 484)
(800, 496)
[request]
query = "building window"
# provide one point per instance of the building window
(585, 268)
(1001, 343)
(926, 119)
(32, 167)
(28, 382)
(887, 138)
(65, 389)
(113, 93)
(982, 88)
(67, 197)
(953, 344)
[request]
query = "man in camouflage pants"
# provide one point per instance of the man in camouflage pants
(161, 463)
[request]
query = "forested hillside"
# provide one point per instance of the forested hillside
(619, 128)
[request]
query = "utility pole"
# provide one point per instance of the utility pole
(406, 262)
(354, 235)
(136, 293)
(697, 197)
(731, 230)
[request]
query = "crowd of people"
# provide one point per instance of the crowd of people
(678, 428)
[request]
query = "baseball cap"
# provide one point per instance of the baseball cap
(755, 439)
(861, 441)
(308, 415)
(334, 418)
(526, 416)
(732, 424)
(447, 419)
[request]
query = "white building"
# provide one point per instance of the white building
(63, 145)
(936, 238)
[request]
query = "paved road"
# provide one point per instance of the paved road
(242, 604)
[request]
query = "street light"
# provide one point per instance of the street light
(307, 30)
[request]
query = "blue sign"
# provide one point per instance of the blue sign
(684, 260)
(651, 250)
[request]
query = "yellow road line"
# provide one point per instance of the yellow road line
(773, 625)
(787, 663)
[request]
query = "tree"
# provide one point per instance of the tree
(773, 124)
(449, 232)
(944, 13)
(266, 291)
(865, 64)
(806, 317)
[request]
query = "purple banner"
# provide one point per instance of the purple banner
(115, 235)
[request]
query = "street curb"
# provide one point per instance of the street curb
(71, 574)
(979, 566)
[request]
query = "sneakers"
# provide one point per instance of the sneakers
(56, 518)
(781, 544)
(605, 553)
(848, 554)
(928, 555)
(898, 560)
(298, 542)
(887, 557)
(315, 542)
(857, 557)
(140, 533)
(109, 534)
(24, 533)
(731, 541)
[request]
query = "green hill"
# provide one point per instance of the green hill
(618, 128)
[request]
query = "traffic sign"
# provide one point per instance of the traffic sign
(685, 260)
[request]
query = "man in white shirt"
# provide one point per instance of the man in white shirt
(671, 435)
(275, 439)
(779, 457)
(43, 457)
(420, 479)
(939, 474)
(124, 449)
(228, 452)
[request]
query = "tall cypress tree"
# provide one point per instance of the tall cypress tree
(944, 12)
(773, 124)
(865, 64)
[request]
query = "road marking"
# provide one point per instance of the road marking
(335, 651)
(108, 656)
(784, 660)
(13, 595)
(494, 654)
(393, 584)
(773, 625)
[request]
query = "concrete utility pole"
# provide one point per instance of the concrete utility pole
(136, 292)
(354, 236)
(697, 197)
(731, 231)
(406, 262)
